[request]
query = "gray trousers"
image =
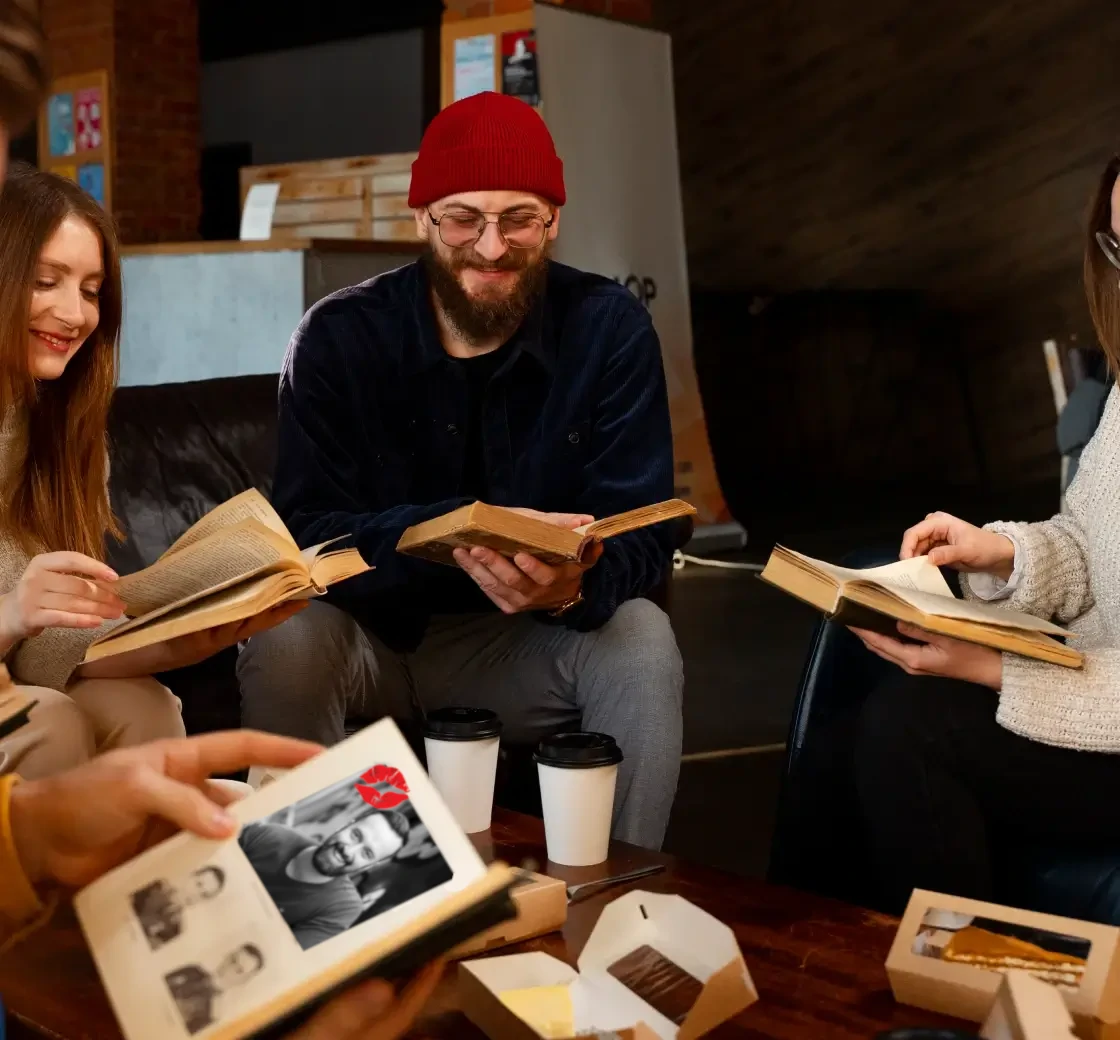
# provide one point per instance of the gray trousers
(309, 675)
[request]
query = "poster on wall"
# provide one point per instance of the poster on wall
(75, 133)
(91, 179)
(613, 116)
(60, 124)
(88, 119)
(474, 65)
(519, 66)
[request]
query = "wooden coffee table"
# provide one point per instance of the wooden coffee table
(817, 963)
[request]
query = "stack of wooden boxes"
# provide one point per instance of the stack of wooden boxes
(364, 197)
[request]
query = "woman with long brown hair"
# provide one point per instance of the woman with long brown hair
(131, 797)
(60, 318)
(965, 745)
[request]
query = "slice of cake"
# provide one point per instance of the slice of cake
(547, 1009)
(1000, 953)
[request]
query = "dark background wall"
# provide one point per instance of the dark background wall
(917, 174)
(361, 96)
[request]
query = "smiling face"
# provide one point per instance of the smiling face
(485, 287)
(65, 297)
(359, 846)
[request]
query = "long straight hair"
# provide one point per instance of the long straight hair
(58, 499)
(1102, 280)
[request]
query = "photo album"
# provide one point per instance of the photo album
(350, 866)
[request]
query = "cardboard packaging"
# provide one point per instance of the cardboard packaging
(655, 965)
(542, 907)
(1027, 1008)
(937, 959)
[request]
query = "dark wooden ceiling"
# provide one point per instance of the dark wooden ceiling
(235, 28)
(947, 146)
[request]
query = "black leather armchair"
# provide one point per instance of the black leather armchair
(819, 843)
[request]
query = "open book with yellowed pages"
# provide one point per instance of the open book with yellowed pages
(236, 562)
(914, 591)
(509, 532)
(348, 867)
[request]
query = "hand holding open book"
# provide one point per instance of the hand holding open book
(235, 563)
(510, 532)
(913, 591)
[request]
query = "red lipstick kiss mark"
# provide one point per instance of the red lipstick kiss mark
(382, 787)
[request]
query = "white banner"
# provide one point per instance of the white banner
(607, 96)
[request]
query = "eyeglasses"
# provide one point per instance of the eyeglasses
(519, 229)
(1110, 247)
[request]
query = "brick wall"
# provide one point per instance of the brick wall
(156, 77)
(947, 148)
(626, 10)
(150, 50)
(79, 35)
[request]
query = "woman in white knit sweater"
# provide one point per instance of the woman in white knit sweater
(986, 743)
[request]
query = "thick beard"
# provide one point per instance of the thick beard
(321, 864)
(481, 320)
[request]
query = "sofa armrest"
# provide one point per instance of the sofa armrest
(817, 836)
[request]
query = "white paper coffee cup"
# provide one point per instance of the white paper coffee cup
(461, 745)
(578, 773)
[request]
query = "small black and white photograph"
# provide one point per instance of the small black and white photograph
(204, 993)
(344, 855)
(161, 906)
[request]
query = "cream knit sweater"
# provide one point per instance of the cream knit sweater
(50, 658)
(1069, 570)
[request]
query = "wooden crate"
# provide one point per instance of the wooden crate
(364, 197)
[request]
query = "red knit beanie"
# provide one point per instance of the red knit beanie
(487, 142)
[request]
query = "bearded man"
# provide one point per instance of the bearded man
(312, 884)
(483, 372)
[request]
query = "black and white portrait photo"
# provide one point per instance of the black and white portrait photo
(198, 992)
(344, 855)
(160, 906)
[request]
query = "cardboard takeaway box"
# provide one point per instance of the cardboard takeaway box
(1027, 1009)
(1080, 958)
(685, 976)
(542, 907)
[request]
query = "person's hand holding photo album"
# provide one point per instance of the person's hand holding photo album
(69, 829)
(372, 1010)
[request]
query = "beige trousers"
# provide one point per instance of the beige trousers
(94, 715)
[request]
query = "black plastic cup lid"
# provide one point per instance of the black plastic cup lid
(578, 751)
(462, 724)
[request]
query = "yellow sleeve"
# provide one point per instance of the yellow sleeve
(19, 904)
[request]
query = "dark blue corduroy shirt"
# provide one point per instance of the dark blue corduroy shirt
(373, 414)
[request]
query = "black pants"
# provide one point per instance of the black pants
(944, 789)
